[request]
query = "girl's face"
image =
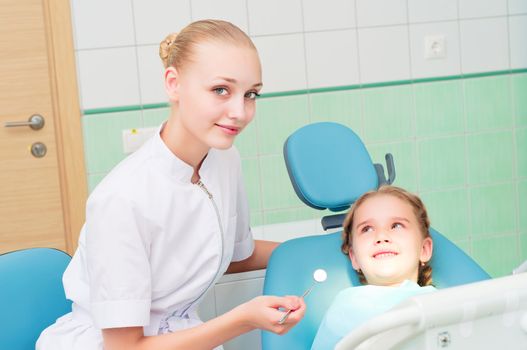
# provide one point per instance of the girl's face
(387, 244)
(214, 94)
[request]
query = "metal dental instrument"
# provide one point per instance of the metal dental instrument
(320, 275)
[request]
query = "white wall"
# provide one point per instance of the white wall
(304, 44)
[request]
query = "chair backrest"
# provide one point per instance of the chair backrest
(31, 295)
(330, 168)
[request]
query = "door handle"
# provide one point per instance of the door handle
(35, 122)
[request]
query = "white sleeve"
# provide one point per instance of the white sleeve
(244, 244)
(118, 263)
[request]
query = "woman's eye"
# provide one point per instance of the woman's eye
(220, 91)
(252, 95)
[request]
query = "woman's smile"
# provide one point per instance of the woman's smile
(230, 130)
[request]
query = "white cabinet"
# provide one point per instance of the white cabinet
(230, 291)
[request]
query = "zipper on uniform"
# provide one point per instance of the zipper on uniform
(204, 189)
(202, 186)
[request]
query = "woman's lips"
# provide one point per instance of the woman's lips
(231, 130)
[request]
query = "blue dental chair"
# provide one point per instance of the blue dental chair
(330, 168)
(31, 295)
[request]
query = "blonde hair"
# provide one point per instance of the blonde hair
(177, 48)
(425, 270)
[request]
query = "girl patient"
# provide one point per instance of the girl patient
(386, 237)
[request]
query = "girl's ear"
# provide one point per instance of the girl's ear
(426, 249)
(353, 259)
(172, 84)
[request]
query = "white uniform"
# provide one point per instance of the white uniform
(152, 245)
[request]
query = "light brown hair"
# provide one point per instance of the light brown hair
(425, 270)
(177, 48)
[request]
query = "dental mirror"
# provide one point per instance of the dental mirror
(319, 276)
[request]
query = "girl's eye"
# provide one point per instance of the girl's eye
(366, 229)
(397, 225)
(221, 91)
(252, 95)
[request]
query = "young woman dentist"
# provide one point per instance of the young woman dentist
(172, 218)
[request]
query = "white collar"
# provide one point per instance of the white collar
(176, 167)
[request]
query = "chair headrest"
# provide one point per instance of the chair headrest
(329, 166)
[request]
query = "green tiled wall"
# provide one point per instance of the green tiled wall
(493, 210)
(490, 157)
(460, 143)
(498, 255)
(519, 88)
(277, 118)
(103, 139)
(521, 151)
(488, 103)
(437, 158)
(452, 220)
(342, 107)
(439, 106)
(522, 195)
(388, 113)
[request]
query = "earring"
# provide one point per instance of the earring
(422, 264)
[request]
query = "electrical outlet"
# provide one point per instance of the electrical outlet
(134, 138)
(435, 47)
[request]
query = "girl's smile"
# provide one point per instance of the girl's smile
(384, 254)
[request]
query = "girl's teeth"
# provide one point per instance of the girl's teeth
(384, 255)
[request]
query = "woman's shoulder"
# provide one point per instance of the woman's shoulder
(127, 178)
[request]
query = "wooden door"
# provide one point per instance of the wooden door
(41, 199)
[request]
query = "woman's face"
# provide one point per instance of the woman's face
(214, 94)
(387, 244)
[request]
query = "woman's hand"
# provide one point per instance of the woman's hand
(263, 312)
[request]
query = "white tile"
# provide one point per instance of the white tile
(283, 62)
(329, 14)
(100, 23)
(484, 45)
(108, 78)
(154, 20)
(482, 8)
(274, 16)
(151, 75)
(518, 40)
(332, 58)
(384, 54)
(381, 12)
(431, 10)
(234, 11)
(517, 7)
(422, 67)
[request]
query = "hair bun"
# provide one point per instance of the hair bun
(164, 48)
